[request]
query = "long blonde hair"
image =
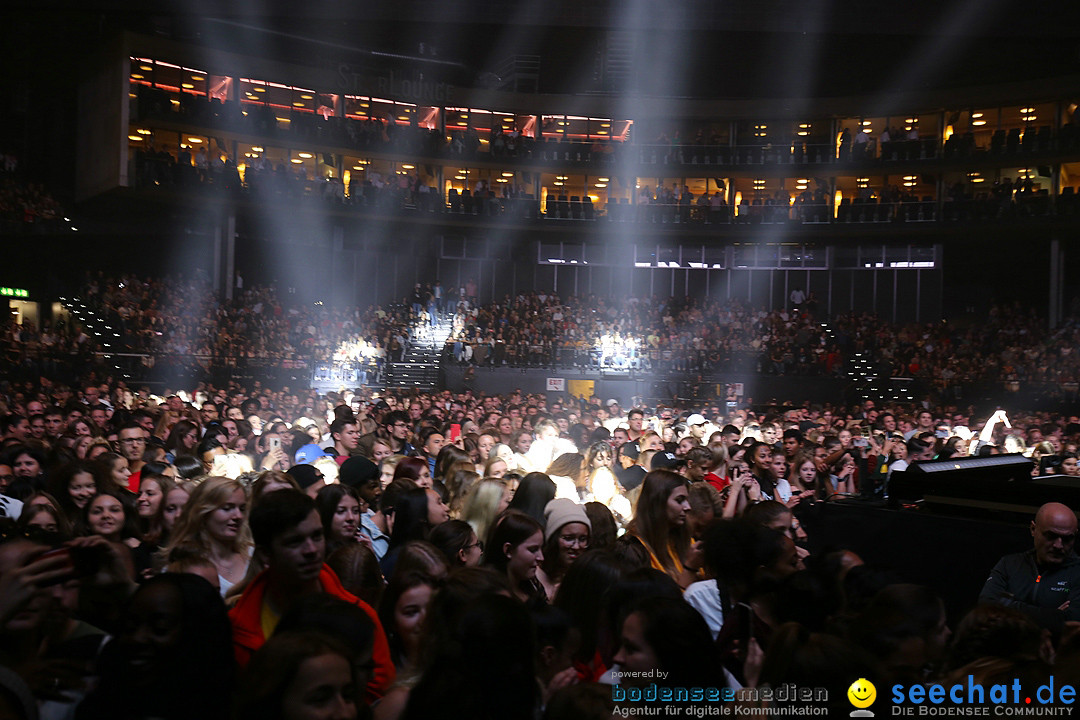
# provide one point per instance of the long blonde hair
(482, 505)
(208, 496)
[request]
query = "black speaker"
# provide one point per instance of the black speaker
(995, 484)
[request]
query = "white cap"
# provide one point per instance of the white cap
(695, 419)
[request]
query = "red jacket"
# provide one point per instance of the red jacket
(246, 618)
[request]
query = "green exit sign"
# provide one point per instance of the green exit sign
(14, 292)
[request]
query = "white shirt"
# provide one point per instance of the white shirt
(10, 507)
(704, 596)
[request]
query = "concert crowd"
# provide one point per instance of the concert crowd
(436, 554)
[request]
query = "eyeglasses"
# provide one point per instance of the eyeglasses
(581, 541)
(132, 441)
(477, 544)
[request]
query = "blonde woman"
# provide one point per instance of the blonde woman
(601, 484)
(213, 524)
(387, 468)
(568, 473)
(486, 501)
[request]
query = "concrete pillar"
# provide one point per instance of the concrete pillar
(1057, 282)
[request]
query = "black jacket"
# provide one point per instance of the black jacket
(1017, 582)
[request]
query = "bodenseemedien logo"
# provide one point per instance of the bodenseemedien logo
(862, 695)
(787, 700)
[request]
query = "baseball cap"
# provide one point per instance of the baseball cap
(696, 419)
(357, 470)
(306, 454)
(665, 461)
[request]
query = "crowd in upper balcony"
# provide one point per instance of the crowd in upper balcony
(669, 146)
(412, 191)
(24, 204)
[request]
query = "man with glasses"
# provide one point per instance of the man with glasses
(132, 442)
(1040, 582)
(208, 412)
(398, 427)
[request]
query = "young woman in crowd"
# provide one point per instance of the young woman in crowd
(533, 494)
(112, 470)
(458, 542)
(172, 505)
(339, 509)
(515, 549)
(182, 439)
(28, 463)
(567, 532)
(402, 611)
(459, 481)
(44, 517)
(664, 640)
(299, 675)
(842, 474)
(660, 524)
(214, 525)
(415, 469)
(387, 468)
(495, 467)
(110, 516)
(448, 456)
(416, 511)
(486, 501)
(568, 474)
(803, 476)
(72, 485)
(759, 456)
(153, 487)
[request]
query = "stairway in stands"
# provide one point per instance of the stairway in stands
(104, 337)
(873, 379)
(420, 367)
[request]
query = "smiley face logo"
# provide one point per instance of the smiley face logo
(862, 693)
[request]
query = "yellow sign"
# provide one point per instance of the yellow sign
(581, 388)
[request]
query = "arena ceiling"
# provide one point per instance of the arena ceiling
(701, 48)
